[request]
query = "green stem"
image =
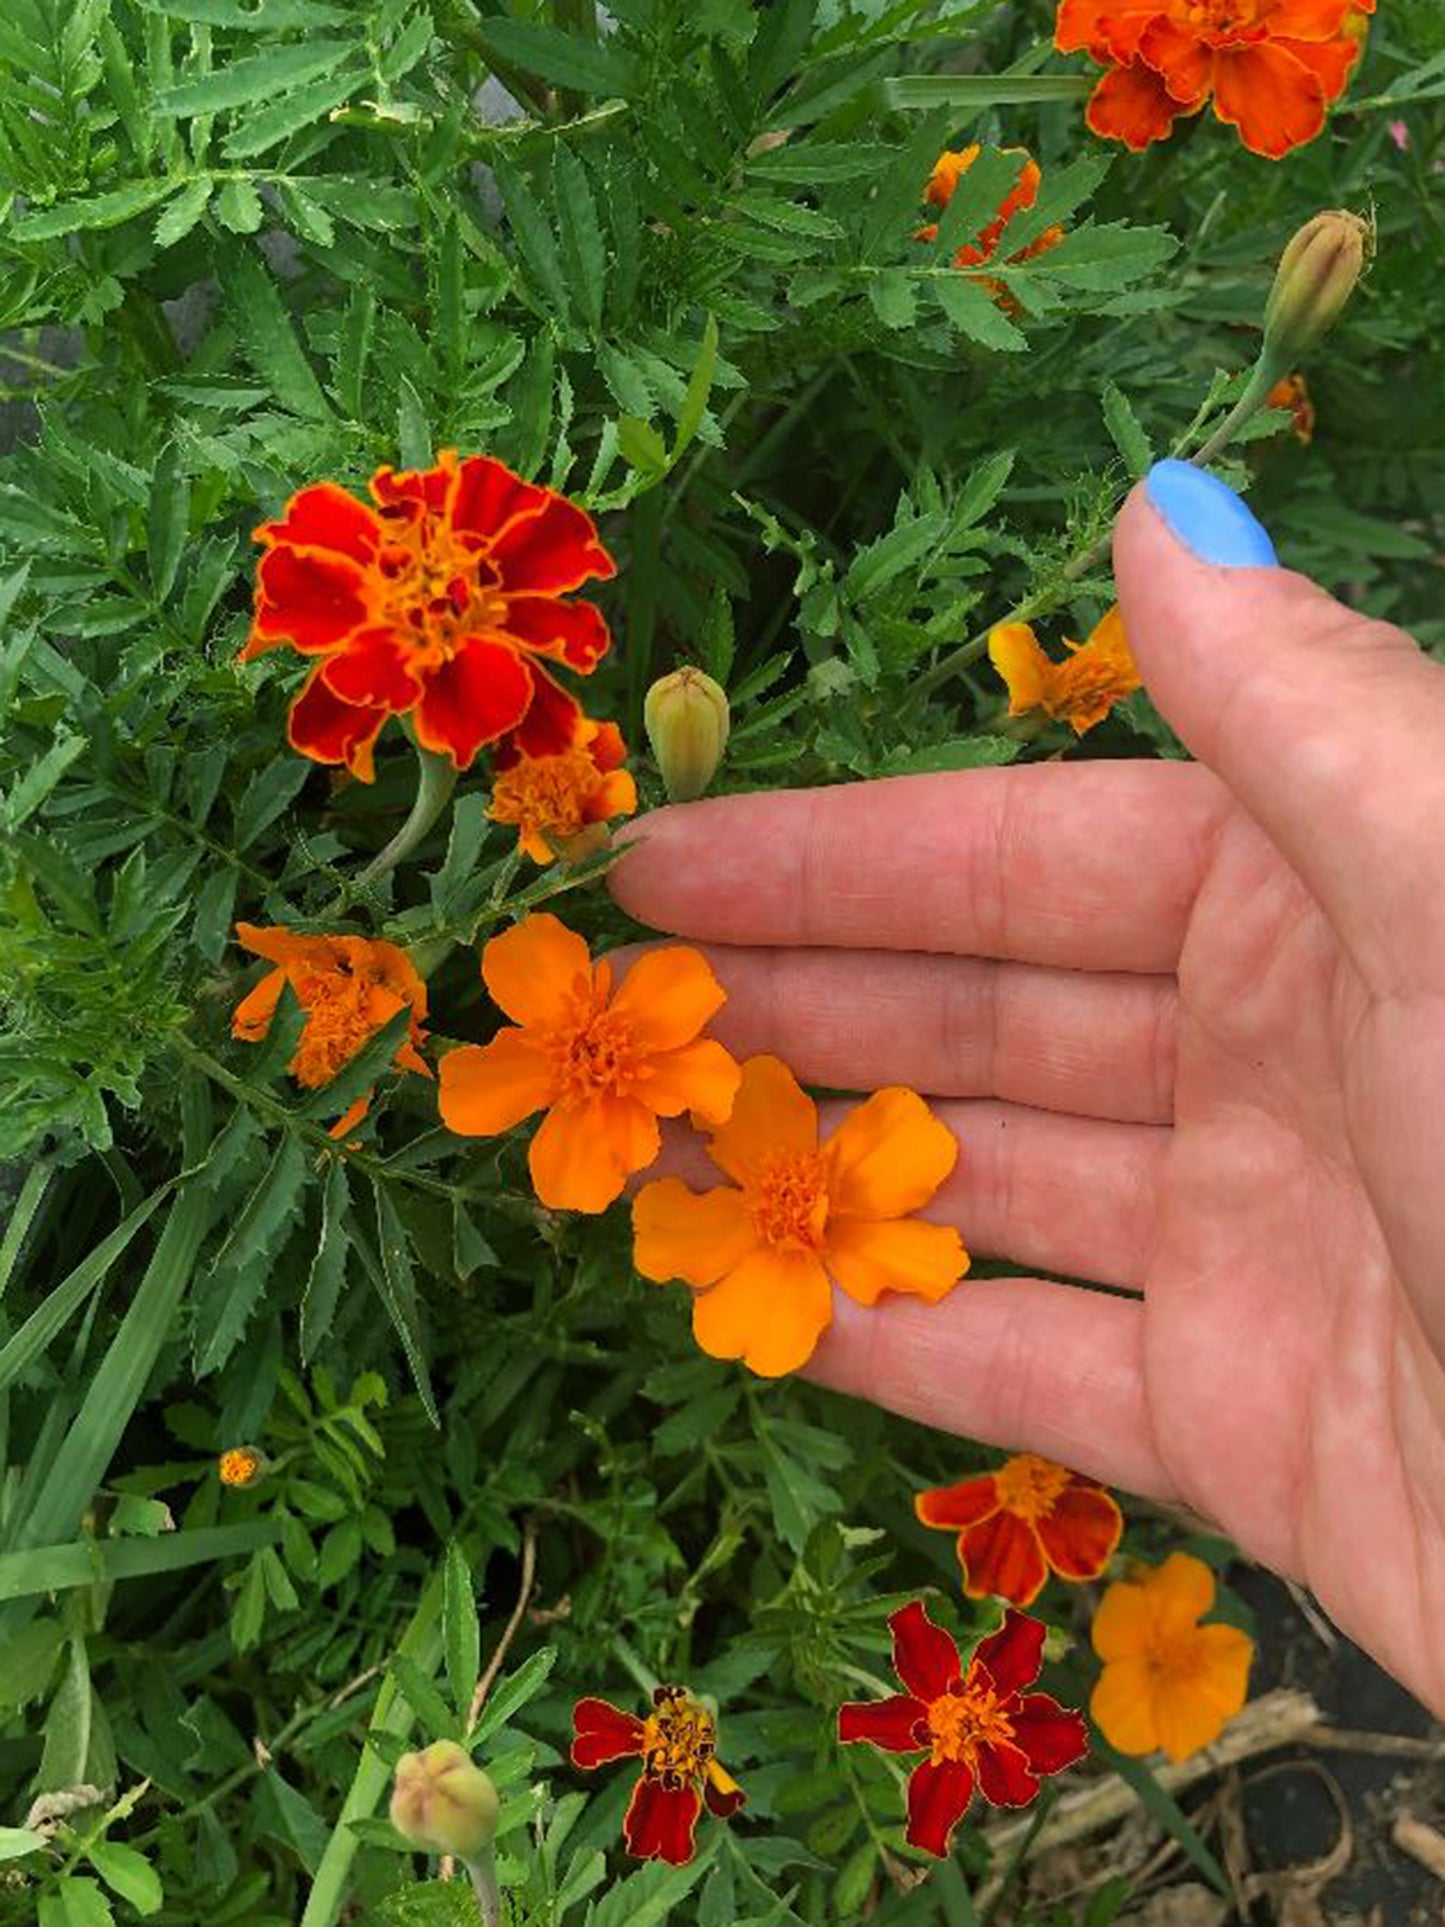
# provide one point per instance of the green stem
(436, 779)
(483, 1874)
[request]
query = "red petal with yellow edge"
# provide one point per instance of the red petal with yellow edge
(702, 1078)
(888, 1157)
(660, 1822)
(1185, 65)
(326, 517)
(609, 751)
(924, 1655)
(1004, 1778)
(328, 730)
(550, 553)
(602, 1732)
(489, 496)
(372, 669)
(1131, 104)
(669, 995)
(478, 695)
(572, 632)
(415, 489)
(1080, 1535)
(952, 1507)
(576, 1162)
(695, 1236)
(1276, 103)
(1330, 61)
(901, 1254)
(486, 1088)
(721, 1791)
(769, 1310)
(771, 1113)
(1122, 1706)
(896, 1725)
(1013, 1655)
(251, 1018)
(1108, 29)
(1002, 1556)
(536, 969)
(1051, 1737)
(311, 600)
(938, 1798)
(550, 724)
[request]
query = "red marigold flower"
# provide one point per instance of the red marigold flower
(677, 1744)
(1021, 1522)
(442, 602)
(1272, 67)
(977, 1725)
(555, 800)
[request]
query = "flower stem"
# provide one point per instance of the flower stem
(436, 780)
(483, 1874)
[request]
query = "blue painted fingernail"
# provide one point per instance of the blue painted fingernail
(1208, 517)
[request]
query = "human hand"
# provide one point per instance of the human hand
(1188, 1025)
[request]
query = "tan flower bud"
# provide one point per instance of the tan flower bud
(687, 719)
(443, 1802)
(1316, 276)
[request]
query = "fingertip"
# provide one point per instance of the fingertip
(1207, 517)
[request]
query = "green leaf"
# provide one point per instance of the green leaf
(925, 93)
(273, 788)
(512, 1692)
(267, 338)
(894, 553)
(215, 906)
(647, 1897)
(413, 434)
(396, 1284)
(974, 312)
(256, 77)
(563, 59)
(972, 752)
(176, 221)
(15, 1842)
(100, 211)
(167, 520)
(892, 297)
(279, 119)
(642, 446)
(699, 387)
(534, 238)
(359, 1074)
(461, 1635)
(76, 1902)
(238, 207)
(127, 1873)
(583, 255)
(1128, 432)
(426, 1701)
(40, 779)
(328, 1266)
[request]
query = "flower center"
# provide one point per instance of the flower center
(1176, 1659)
(340, 1016)
(439, 589)
(545, 795)
(788, 1196)
(679, 1738)
(1029, 1486)
(595, 1055)
(960, 1723)
(1218, 19)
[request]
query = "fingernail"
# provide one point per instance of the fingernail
(1208, 517)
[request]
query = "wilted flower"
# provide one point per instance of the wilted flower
(1080, 690)
(687, 718)
(677, 1744)
(558, 801)
(1017, 1524)
(443, 1802)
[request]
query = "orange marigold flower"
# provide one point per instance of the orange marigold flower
(1017, 1524)
(977, 1724)
(948, 170)
(1080, 690)
(441, 602)
(1292, 392)
(677, 1744)
(1272, 67)
(1167, 1681)
(240, 1465)
(554, 800)
(762, 1258)
(349, 987)
(604, 1064)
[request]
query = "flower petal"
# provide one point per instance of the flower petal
(1108, 29)
(603, 1732)
(680, 1233)
(660, 1821)
(475, 697)
(1051, 1736)
(486, 1088)
(550, 724)
(312, 600)
(892, 1724)
(416, 490)
(1330, 61)
(372, 669)
(770, 1310)
(572, 632)
(326, 516)
(925, 1657)
(1183, 63)
(1014, 651)
(489, 497)
(329, 730)
(1276, 103)
(1013, 1655)
(1002, 1556)
(721, 1791)
(952, 1507)
(575, 1161)
(902, 1254)
(938, 1798)
(1004, 1778)
(771, 1113)
(1081, 1534)
(1226, 1654)
(669, 995)
(1124, 1622)
(701, 1077)
(535, 970)
(1185, 1719)
(631, 1132)
(1180, 1592)
(251, 1019)
(1132, 104)
(888, 1157)
(1122, 1706)
(553, 552)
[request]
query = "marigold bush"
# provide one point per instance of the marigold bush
(396, 394)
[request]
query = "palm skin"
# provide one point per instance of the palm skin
(1188, 1024)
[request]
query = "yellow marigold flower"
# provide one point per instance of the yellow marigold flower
(240, 1465)
(559, 802)
(1082, 689)
(1168, 1682)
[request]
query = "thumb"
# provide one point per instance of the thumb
(1328, 727)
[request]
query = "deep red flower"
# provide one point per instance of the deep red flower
(677, 1746)
(442, 602)
(978, 1726)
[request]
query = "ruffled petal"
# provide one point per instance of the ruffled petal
(1080, 1535)
(326, 517)
(1050, 1736)
(489, 497)
(721, 1791)
(902, 1254)
(1131, 104)
(1314, 19)
(575, 1163)
(1122, 1706)
(312, 600)
(1107, 29)
(486, 1088)
(771, 1113)
(550, 553)
(478, 695)
(1183, 63)
(1276, 103)
(571, 632)
(603, 1732)
(679, 1233)
(329, 730)
(888, 1157)
(660, 1821)
(1330, 61)
(1004, 1778)
(701, 1077)
(372, 670)
(770, 1310)
(1013, 1655)
(550, 724)
(892, 1724)
(534, 970)
(925, 1657)
(938, 1798)
(1002, 1557)
(952, 1507)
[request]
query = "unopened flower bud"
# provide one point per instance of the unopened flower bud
(443, 1801)
(1316, 276)
(687, 719)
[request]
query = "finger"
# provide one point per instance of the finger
(1326, 725)
(1086, 866)
(1012, 1362)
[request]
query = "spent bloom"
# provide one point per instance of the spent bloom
(1021, 1522)
(443, 1802)
(1168, 1681)
(1271, 67)
(763, 1252)
(442, 599)
(978, 1726)
(677, 1745)
(349, 988)
(559, 802)
(240, 1465)
(1080, 690)
(1292, 392)
(603, 1063)
(948, 170)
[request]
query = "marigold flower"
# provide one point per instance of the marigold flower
(1167, 1681)
(1292, 392)
(443, 602)
(1272, 67)
(240, 1465)
(1082, 689)
(349, 988)
(604, 1064)
(677, 1744)
(948, 170)
(977, 1724)
(762, 1258)
(1017, 1524)
(443, 1802)
(556, 800)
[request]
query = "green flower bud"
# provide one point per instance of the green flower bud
(687, 719)
(443, 1802)
(1315, 278)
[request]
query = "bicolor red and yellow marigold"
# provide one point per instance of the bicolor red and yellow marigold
(1021, 1522)
(443, 599)
(677, 1745)
(948, 170)
(1271, 67)
(762, 1254)
(560, 803)
(349, 988)
(605, 1064)
(979, 1727)
(1080, 690)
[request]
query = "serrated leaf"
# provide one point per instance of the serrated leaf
(892, 297)
(127, 1873)
(875, 566)
(280, 119)
(273, 788)
(99, 211)
(255, 77)
(267, 337)
(461, 1634)
(583, 255)
(238, 207)
(699, 387)
(413, 434)
(396, 1283)
(328, 1265)
(974, 312)
(177, 220)
(359, 1074)
(167, 520)
(533, 235)
(1127, 430)
(512, 1692)
(425, 1699)
(562, 59)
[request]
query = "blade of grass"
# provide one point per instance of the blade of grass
(1167, 1811)
(103, 1561)
(26, 1206)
